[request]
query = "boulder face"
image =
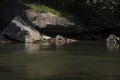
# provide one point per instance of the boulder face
(20, 31)
(44, 19)
(50, 24)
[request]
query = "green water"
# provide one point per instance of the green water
(50, 61)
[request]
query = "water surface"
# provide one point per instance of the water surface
(56, 61)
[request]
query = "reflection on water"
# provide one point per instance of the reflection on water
(112, 46)
(29, 47)
(50, 61)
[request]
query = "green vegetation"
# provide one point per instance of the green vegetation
(104, 12)
(42, 8)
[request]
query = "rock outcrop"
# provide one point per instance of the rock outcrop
(51, 24)
(20, 31)
(27, 28)
(43, 19)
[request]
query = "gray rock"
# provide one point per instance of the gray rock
(50, 24)
(46, 38)
(112, 39)
(20, 31)
(60, 38)
(44, 19)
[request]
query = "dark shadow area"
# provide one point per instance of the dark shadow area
(8, 10)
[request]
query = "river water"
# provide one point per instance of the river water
(84, 60)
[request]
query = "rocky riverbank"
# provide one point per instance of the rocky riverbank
(32, 26)
(81, 21)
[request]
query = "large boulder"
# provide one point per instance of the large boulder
(51, 24)
(20, 31)
(43, 19)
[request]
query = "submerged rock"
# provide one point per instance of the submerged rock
(60, 38)
(112, 39)
(46, 38)
(20, 31)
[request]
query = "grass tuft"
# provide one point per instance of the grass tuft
(42, 8)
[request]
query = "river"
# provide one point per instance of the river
(85, 60)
